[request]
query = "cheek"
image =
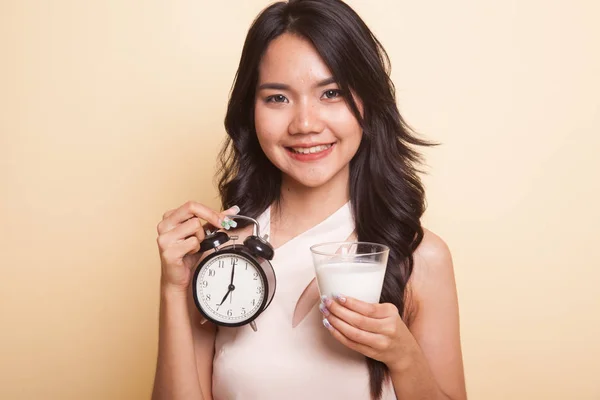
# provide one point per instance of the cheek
(270, 126)
(346, 125)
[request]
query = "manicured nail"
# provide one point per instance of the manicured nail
(324, 309)
(233, 224)
(326, 300)
(235, 209)
(225, 223)
(327, 324)
(339, 297)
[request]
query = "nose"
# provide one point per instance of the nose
(306, 119)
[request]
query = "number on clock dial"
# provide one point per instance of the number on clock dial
(213, 284)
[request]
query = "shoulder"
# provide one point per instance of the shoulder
(433, 273)
(433, 253)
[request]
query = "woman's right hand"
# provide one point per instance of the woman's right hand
(179, 235)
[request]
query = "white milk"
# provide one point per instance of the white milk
(359, 280)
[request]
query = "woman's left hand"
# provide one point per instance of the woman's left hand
(374, 330)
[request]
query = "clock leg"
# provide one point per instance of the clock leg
(253, 326)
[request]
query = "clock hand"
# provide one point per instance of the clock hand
(224, 298)
(232, 272)
(231, 287)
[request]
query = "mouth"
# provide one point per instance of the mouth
(310, 150)
(310, 153)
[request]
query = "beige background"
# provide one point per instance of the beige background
(111, 113)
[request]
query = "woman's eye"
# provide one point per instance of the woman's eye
(278, 98)
(332, 93)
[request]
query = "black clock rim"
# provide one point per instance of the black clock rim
(224, 250)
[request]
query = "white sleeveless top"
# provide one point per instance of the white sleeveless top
(282, 362)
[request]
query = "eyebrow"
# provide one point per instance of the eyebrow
(283, 86)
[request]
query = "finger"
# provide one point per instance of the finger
(168, 213)
(190, 245)
(191, 227)
(369, 339)
(372, 310)
(351, 317)
(161, 224)
(187, 211)
(228, 222)
(340, 337)
(176, 252)
(235, 210)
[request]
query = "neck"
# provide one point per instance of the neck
(300, 207)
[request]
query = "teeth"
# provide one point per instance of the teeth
(311, 150)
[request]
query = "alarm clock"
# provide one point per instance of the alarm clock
(236, 283)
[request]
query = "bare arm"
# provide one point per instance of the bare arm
(176, 372)
(423, 355)
(204, 348)
(434, 369)
(185, 348)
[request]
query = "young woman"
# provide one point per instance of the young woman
(317, 152)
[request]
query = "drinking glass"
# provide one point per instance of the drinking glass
(354, 269)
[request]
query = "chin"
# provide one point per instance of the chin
(310, 175)
(312, 184)
(313, 179)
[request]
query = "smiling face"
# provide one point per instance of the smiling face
(303, 124)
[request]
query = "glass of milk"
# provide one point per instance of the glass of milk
(354, 269)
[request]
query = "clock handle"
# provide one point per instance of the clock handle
(257, 245)
(256, 229)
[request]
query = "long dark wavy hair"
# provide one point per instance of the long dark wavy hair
(386, 194)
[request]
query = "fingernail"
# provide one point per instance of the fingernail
(235, 209)
(324, 309)
(233, 224)
(326, 300)
(327, 324)
(339, 297)
(225, 223)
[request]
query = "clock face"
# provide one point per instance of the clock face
(229, 288)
